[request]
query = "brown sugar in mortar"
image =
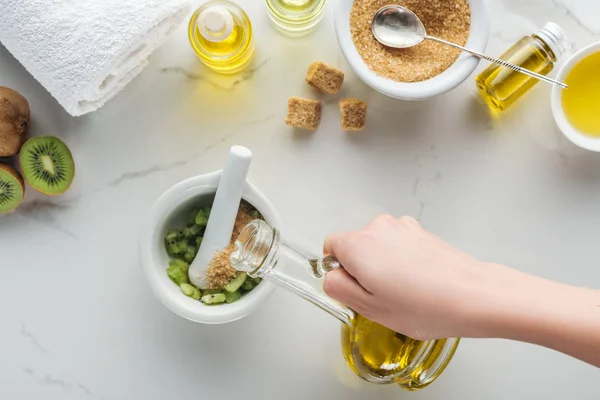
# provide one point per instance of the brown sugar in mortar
(445, 19)
(220, 271)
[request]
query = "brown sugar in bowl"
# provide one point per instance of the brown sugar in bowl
(423, 86)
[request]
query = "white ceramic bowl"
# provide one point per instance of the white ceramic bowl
(447, 80)
(170, 210)
(578, 138)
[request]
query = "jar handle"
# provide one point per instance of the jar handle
(321, 266)
(307, 292)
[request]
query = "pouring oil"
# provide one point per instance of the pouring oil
(500, 87)
(372, 349)
(375, 353)
(295, 17)
(580, 101)
(220, 33)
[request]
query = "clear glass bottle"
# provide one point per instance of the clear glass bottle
(500, 87)
(295, 17)
(375, 353)
(220, 33)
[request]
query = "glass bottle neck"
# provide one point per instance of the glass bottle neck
(546, 48)
(554, 39)
(259, 250)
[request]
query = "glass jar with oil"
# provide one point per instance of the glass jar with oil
(375, 353)
(500, 87)
(220, 33)
(295, 17)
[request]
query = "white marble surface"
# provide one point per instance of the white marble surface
(79, 322)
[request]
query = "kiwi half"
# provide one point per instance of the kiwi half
(12, 189)
(47, 165)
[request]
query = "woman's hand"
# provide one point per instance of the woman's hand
(399, 275)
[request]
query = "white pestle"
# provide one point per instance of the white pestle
(223, 213)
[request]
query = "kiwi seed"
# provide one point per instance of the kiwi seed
(12, 189)
(47, 165)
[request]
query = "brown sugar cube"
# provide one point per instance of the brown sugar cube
(324, 77)
(354, 114)
(303, 113)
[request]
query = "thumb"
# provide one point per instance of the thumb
(341, 286)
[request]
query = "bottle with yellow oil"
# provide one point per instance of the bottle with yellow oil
(220, 33)
(375, 353)
(500, 87)
(295, 17)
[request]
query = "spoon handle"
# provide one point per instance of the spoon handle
(501, 62)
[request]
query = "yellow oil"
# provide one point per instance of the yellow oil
(295, 17)
(371, 349)
(295, 5)
(581, 101)
(500, 87)
(230, 55)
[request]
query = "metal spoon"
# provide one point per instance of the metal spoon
(397, 26)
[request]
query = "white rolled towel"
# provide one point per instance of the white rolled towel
(85, 51)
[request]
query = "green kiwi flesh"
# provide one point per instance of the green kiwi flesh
(47, 165)
(12, 189)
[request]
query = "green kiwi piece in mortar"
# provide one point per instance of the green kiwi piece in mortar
(47, 165)
(12, 189)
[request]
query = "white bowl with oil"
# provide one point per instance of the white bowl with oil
(577, 137)
(453, 76)
(170, 210)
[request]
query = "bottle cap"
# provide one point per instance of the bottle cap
(555, 37)
(215, 24)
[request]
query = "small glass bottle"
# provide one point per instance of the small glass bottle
(295, 17)
(375, 353)
(500, 87)
(220, 33)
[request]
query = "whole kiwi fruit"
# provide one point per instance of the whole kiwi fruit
(14, 121)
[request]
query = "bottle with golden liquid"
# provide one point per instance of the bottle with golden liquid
(295, 17)
(500, 87)
(220, 33)
(375, 353)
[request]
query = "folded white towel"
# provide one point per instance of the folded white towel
(85, 51)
